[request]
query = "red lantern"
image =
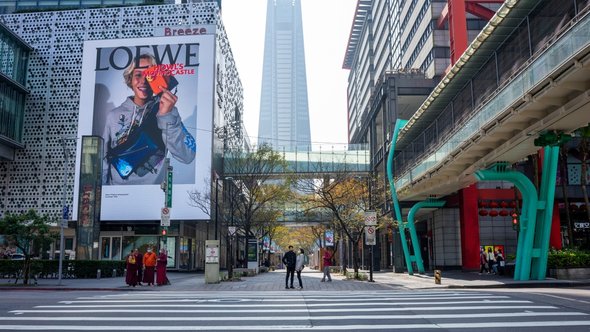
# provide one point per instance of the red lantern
(483, 212)
(513, 204)
(482, 204)
(493, 204)
(504, 213)
(493, 213)
(503, 204)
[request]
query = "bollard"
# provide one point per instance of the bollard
(114, 273)
(437, 277)
(98, 274)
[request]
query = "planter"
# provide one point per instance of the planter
(571, 273)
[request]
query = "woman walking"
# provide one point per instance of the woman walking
(299, 265)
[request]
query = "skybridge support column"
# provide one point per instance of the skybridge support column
(469, 219)
(544, 215)
(432, 203)
(399, 124)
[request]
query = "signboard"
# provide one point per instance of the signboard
(370, 238)
(165, 217)
(231, 230)
(371, 218)
(211, 255)
(169, 185)
(123, 84)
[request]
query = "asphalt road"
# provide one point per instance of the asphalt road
(532, 309)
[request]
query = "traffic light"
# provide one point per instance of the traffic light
(515, 221)
(164, 231)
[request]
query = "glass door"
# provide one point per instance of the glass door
(110, 248)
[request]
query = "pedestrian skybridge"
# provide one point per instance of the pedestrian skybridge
(353, 158)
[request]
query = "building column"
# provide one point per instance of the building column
(469, 221)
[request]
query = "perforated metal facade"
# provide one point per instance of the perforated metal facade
(35, 179)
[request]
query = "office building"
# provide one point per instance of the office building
(284, 114)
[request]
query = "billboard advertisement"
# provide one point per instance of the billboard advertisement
(151, 100)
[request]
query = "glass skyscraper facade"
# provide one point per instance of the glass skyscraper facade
(284, 113)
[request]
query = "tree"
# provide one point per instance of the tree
(29, 232)
(347, 197)
(254, 191)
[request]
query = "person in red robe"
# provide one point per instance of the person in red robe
(161, 278)
(139, 261)
(131, 265)
(149, 261)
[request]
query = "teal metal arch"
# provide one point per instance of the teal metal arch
(399, 124)
(535, 223)
(429, 203)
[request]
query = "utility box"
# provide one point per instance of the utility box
(212, 261)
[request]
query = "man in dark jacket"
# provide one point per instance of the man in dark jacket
(289, 259)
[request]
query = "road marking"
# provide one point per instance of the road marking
(296, 318)
(298, 327)
(289, 310)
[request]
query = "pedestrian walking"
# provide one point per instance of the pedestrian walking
(289, 259)
(500, 263)
(328, 255)
(483, 261)
(162, 262)
(491, 260)
(139, 262)
(299, 265)
(149, 262)
(131, 266)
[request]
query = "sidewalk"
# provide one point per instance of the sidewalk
(275, 281)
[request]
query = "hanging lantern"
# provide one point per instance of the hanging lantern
(482, 204)
(483, 212)
(493, 204)
(503, 204)
(513, 204)
(493, 213)
(503, 213)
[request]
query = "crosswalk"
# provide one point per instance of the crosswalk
(297, 311)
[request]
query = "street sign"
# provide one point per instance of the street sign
(65, 215)
(165, 217)
(371, 218)
(169, 188)
(231, 230)
(370, 238)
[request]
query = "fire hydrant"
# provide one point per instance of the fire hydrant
(437, 276)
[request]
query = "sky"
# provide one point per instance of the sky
(326, 28)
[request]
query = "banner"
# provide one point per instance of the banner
(329, 238)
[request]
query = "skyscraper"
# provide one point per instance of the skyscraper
(284, 113)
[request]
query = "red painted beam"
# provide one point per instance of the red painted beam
(457, 28)
(479, 11)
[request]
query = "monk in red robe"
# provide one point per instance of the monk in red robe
(131, 265)
(161, 278)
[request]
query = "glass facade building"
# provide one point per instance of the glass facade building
(284, 113)
(14, 57)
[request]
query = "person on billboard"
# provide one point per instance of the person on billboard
(138, 133)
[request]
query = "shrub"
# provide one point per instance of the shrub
(568, 258)
(71, 268)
